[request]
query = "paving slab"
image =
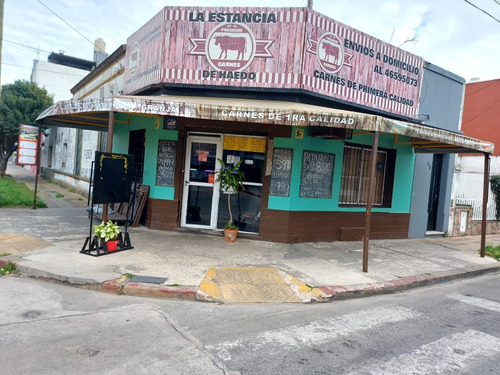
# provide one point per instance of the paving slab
(204, 266)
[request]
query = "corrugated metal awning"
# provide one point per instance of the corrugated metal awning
(93, 114)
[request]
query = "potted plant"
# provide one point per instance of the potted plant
(231, 180)
(108, 231)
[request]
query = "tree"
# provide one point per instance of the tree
(21, 103)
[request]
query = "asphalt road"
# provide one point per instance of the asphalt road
(47, 328)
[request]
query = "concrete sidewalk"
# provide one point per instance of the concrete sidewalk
(47, 242)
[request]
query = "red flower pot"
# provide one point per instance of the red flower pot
(112, 245)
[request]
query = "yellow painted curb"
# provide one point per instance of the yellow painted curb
(211, 274)
(209, 290)
(303, 291)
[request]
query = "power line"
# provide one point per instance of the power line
(24, 45)
(485, 12)
(495, 104)
(54, 13)
(45, 70)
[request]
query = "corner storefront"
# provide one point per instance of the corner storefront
(318, 120)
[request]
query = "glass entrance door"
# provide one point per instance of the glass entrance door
(201, 193)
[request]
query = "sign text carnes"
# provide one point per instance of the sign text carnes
(273, 48)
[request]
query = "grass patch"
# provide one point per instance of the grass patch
(5, 254)
(59, 195)
(129, 275)
(493, 251)
(10, 267)
(17, 194)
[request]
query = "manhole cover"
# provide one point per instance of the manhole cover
(148, 279)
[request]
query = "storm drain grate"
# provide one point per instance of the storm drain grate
(148, 279)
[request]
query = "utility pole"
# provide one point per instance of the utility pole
(1, 38)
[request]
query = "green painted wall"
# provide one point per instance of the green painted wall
(121, 142)
(403, 179)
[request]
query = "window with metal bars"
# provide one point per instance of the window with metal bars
(356, 174)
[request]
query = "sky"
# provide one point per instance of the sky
(451, 34)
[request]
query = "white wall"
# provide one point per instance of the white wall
(475, 164)
(468, 182)
(107, 84)
(56, 79)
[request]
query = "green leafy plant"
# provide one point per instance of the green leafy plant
(493, 251)
(231, 180)
(495, 188)
(8, 268)
(229, 225)
(109, 230)
(21, 103)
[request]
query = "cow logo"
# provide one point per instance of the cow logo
(231, 47)
(134, 58)
(329, 52)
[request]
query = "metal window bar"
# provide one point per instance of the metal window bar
(355, 174)
(467, 191)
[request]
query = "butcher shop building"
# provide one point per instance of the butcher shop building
(318, 113)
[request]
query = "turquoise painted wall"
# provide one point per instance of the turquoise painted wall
(121, 142)
(403, 179)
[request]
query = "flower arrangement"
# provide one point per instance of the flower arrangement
(107, 230)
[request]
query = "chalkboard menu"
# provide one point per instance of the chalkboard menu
(317, 175)
(165, 165)
(281, 172)
(112, 177)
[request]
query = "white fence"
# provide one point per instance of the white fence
(468, 191)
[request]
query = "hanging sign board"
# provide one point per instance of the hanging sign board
(27, 145)
(202, 155)
(249, 144)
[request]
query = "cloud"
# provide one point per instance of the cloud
(450, 33)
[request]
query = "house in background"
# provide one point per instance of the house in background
(70, 160)
(57, 75)
(67, 153)
(302, 113)
(441, 99)
(480, 119)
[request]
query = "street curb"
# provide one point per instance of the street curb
(40, 274)
(334, 293)
(159, 291)
(209, 292)
(117, 286)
